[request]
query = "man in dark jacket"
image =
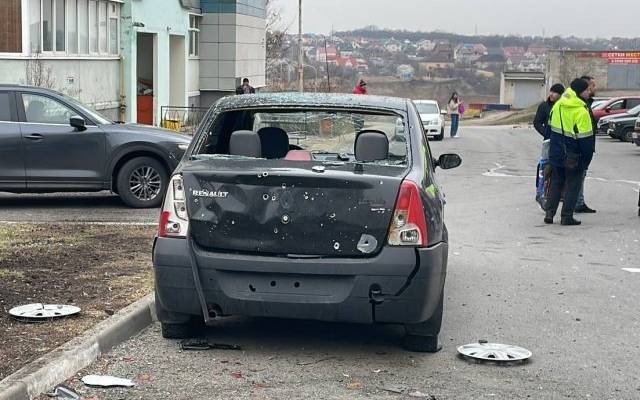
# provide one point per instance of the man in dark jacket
(581, 206)
(245, 88)
(571, 149)
(541, 123)
(541, 120)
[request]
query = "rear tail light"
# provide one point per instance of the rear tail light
(174, 219)
(409, 226)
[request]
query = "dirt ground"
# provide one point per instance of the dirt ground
(100, 269)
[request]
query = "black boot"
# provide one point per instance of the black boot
(570, 221)
(585, 209)
(548, 218)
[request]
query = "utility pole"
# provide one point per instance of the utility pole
(300, 50)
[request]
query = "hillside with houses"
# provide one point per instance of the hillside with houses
(415, 64)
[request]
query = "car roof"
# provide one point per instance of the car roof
(7, 86)
(426, 102)
(312, 100)
(622, 98)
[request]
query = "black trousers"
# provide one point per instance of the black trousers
(570, 180)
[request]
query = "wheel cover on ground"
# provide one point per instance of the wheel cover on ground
(145, 183)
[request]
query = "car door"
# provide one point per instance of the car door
(57, 155)
(12, 170)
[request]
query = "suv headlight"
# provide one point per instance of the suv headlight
(183, 146)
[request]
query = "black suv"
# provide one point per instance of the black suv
(306, 206)
(49, 142)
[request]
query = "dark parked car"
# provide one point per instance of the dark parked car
(636, 133)
(622, 128)
(51, 143)
(306, 206)
(604, 122)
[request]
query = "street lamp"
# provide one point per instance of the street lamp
(300, 49)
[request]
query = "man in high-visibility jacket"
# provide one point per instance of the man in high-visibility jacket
(571, 150)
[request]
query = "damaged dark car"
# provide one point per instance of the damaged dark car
(322, 207)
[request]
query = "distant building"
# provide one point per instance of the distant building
(615, 71)
(405, 72)
(522, 89)
(393, 46)
(330, 54)
(468, 53)
(425, 46)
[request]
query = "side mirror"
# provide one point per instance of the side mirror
(448, 161)
(78, 123)
(443, 112)
(607, 110)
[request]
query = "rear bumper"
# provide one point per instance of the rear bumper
(410, 282)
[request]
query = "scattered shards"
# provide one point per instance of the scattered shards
(199, 345)
(106, 381)
(64, 393)
(494, 352)
(39, 311)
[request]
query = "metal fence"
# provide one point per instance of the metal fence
(182, 119)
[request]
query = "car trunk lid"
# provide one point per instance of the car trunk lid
(304, 209)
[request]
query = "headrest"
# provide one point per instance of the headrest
(275, 142)
(371, 145)
(245, 143)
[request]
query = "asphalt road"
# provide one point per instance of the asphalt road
(559, 291)
(102, 207)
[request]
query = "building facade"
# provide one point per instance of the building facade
(130, 58)
(522, 89)
(69, 45)
(614, 71)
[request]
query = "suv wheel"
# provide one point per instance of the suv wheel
(441, 135)
(627, 136)
(142, 182)
(177, 331)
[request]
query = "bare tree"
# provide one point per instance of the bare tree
(38, 73)
(276, 49)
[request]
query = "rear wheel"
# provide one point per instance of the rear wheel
(177, 331)
(423, 337)
(142, 182)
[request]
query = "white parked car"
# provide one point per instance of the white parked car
(432, 118)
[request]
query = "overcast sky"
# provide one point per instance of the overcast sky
(581, 18)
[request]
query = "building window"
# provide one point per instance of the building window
(73, 26)
(11, 28)
(83, 27)
(93, 26)
(194, 35)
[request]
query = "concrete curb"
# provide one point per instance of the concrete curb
(43, 374)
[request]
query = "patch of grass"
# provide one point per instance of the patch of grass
(9, 274)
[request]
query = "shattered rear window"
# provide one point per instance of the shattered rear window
(314, 135)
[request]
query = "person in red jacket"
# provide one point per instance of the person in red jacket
(361, 87)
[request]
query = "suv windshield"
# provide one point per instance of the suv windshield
(427, 108)
(314, 135)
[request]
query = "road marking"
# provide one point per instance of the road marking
(97, 223)
(495, 173)
(632, 270)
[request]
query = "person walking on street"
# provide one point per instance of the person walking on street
(361, 87)
(245, 88)
(581, 206)
(541, 124)
(453, 107)
(571, 150)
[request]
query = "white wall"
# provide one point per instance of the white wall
(177, 71)
(93, 82)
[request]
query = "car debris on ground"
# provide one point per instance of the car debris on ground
(64, 393)
(494, 352)
(39, 311)
(106, 381)
(196, 344)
